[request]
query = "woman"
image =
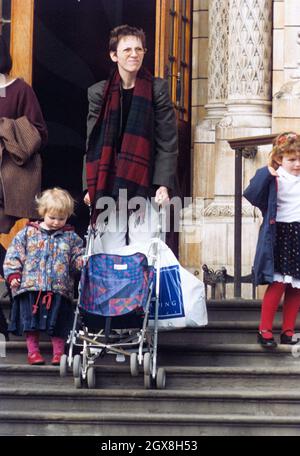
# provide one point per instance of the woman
(131, 145)
(22, 133)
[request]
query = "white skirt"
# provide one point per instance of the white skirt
(286, 279)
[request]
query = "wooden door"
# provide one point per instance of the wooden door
(173, 62)
(16, 25)
(16, 20)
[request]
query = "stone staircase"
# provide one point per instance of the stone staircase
(219, 382)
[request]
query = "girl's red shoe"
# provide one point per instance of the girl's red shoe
(56, 359)
(35, 359)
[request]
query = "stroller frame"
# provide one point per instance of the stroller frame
(140, 346)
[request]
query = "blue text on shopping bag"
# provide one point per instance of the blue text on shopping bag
(170, 294)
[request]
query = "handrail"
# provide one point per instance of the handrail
(262, 140)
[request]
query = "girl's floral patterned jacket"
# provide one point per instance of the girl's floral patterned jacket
(42, 261)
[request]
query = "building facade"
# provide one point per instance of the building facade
(239, 66)
(245, 82)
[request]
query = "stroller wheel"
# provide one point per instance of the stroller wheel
(63, 365)
(77, 382)
(91, 377)
(77, 366)
(148, 383)
(134, 367)
(147, 363)
(161, 378)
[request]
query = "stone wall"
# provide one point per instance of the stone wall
(232, 97)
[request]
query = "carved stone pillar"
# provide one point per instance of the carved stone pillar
(217, 59)
(204, 147)
(249, 84)
(217, 70)
(204, 140)
(249, 66)
(239, 90)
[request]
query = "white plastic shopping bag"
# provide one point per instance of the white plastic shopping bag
(182, 296)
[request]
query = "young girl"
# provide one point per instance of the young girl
(275, 190)
(39, 265)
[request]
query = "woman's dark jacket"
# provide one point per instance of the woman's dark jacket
(262, 193)
(165, 130)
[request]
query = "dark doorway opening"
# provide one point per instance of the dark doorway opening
(70, 54)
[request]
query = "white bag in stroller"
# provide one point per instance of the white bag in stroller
(181, 297)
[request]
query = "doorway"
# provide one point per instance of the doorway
(70, 53)
(61, 48)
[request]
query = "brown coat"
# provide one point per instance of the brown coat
(20, 166)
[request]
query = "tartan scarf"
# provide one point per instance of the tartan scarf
(111, 166)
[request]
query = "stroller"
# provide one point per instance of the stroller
(116, 294)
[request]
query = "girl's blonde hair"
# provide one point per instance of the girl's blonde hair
(286, 143)
(56, 201)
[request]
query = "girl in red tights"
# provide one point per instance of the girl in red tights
(275, 190)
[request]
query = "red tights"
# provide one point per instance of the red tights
(270, 305)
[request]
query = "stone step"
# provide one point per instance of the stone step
(222, 401)
(220, 310)
(239, 310)
(215, 332)
(186, 355)
(144, 424)
(226, 355)
(178, 377)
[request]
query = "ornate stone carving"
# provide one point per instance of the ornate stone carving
(196, 213)
(217, 209)
(218, 51)
(226, 122)
(249, 152)
(250, 47)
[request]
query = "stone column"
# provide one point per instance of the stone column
(241, 32)
(239, 90)
(249, 84)
(204, 145)
(248, 114)
(249, 66)
(204, 140)
(217, 59)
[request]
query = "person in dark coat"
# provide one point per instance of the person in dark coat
(22, 133)
(131, 141)
(275, 190)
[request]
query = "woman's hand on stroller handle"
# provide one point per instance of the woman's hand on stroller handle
(162, 196)
(87, 199)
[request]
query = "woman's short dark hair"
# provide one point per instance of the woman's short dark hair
(5, 58)
(125, 30)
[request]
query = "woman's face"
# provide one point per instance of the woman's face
(129, 55)
(291, 163)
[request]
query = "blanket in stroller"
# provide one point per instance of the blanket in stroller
(114, 285)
